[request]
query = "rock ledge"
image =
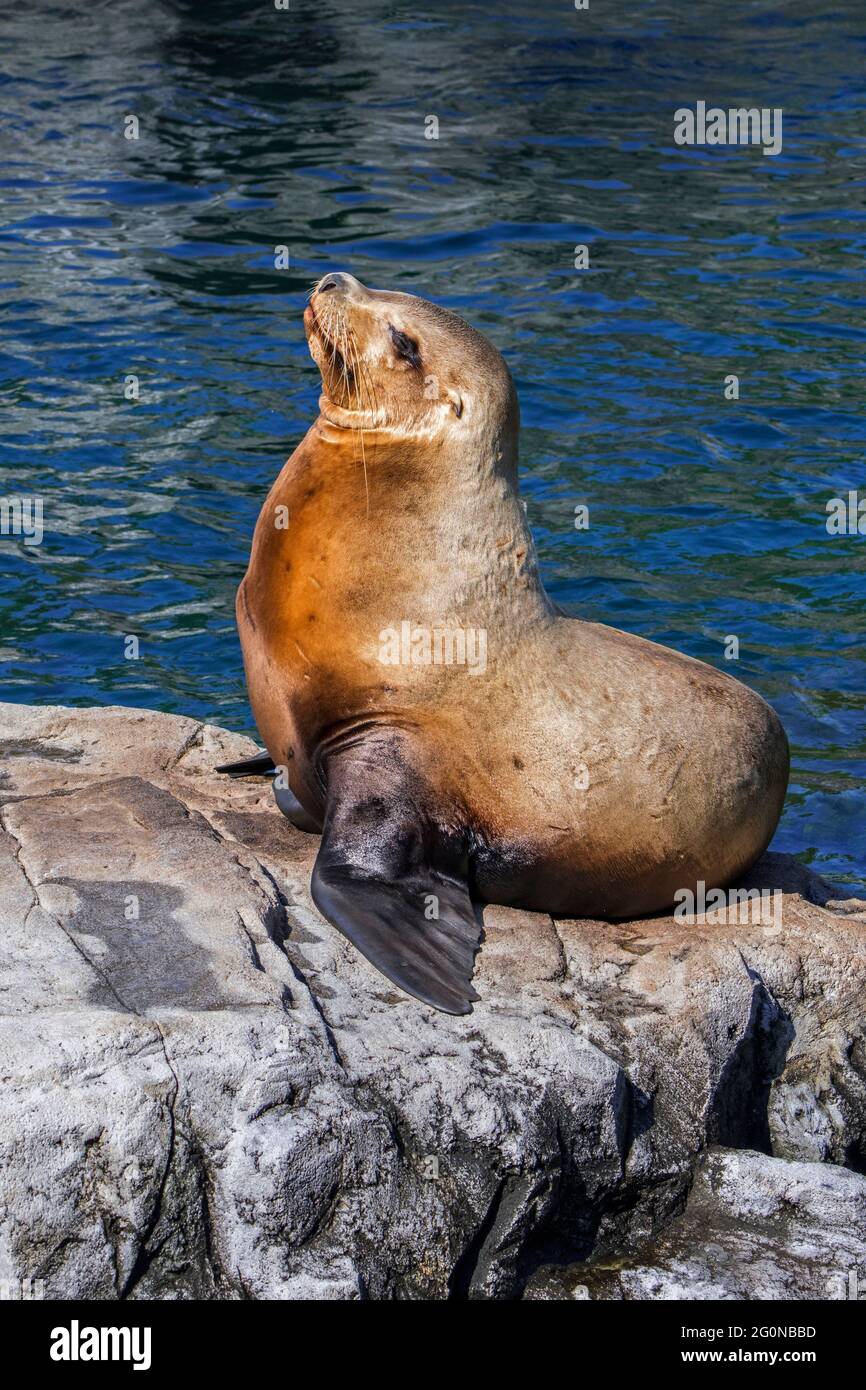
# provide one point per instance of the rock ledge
(209, 1094)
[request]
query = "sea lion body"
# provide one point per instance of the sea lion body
(570, 767)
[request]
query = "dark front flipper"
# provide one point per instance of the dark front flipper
(261, 765)
(391, 878)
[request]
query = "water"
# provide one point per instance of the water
(260, 128)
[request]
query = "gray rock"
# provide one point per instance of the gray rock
(209, 1093)
(754, 1227)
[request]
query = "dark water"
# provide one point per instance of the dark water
(261, 128)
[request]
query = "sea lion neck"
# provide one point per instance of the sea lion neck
(336, 422)
(445, 452)
(385, 521)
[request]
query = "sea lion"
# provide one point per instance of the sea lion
(456, 738)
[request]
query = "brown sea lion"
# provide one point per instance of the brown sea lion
(456, 738)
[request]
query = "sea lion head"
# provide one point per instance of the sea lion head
(397, 364)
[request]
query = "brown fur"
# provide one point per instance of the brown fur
(402, 502)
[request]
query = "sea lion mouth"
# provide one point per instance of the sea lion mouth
(327, 333)
(314, 326)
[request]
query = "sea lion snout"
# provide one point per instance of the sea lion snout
(339, 280)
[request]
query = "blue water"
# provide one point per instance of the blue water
(261, 128)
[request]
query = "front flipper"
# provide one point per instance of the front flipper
(391, 878)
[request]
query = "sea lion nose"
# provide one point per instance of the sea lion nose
(339, 280)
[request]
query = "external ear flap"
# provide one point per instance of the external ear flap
(455, 400)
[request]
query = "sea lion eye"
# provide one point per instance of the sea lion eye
(404, 346)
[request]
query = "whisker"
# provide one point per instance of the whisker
(353, 384)
(356, 375)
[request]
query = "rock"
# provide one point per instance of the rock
(209, 1093)
(754, 1227)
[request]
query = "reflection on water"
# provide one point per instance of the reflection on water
(261, 127)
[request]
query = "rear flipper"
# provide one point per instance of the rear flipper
(391, 878)
(262, 765)
(294, 811)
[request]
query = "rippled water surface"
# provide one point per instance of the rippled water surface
(261, 128)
